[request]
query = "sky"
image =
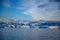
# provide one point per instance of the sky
(30, 9)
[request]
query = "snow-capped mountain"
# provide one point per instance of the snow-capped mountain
(22, 23)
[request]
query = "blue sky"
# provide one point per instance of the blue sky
(30, 9)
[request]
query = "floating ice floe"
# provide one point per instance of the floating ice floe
(53, 27)
(25, 26)
(11, 26)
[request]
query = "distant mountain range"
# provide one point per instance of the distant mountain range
(16, 23)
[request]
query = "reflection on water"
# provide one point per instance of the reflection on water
(29, 34)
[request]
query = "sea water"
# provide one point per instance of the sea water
(29, 34)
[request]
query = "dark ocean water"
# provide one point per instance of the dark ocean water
(29, 34)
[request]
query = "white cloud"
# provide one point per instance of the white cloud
(26, 4)
(49, 12)
(33, 12)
